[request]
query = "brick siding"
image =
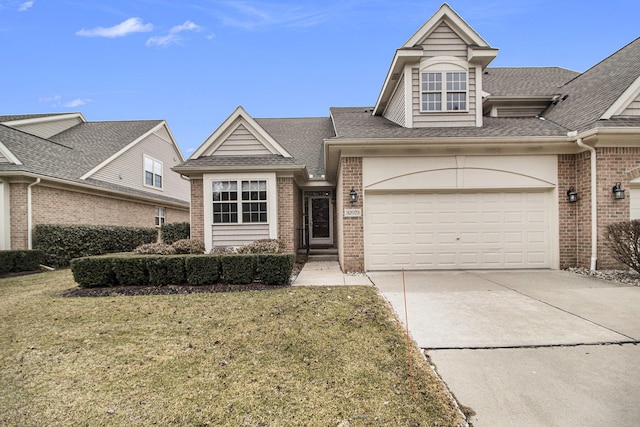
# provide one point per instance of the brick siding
(197, 209)
(288, 213)
(352, 247)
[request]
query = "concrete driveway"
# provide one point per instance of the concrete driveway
(527, 348)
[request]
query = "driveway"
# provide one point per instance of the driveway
(527, 348)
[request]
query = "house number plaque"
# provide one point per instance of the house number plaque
(352, 213)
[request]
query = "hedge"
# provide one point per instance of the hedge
(172, 232)
(20, 260)
(61, 243)
(195, 270)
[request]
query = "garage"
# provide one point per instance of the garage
(458, 230)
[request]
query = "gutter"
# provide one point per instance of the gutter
(594, 199)
(30, 213)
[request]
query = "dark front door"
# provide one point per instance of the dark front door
(321, 221)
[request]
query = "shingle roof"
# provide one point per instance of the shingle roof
(302, 138)
(236, 161)
(16, 117)
(526, 80)
(592, 93)
(360, 123)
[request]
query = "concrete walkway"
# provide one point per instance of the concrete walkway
(328, 273)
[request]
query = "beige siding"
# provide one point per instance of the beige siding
(395, 110)
(444, 42)
(633, 109)
(128, 168)
(241, 143)
(3, 159)
(49, 128)
(238, 235)
(443, 119)
(518, 111)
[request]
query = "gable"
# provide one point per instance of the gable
(443, 41)
(46, 127)
(633, 109)
(240, 135)
(241, 142)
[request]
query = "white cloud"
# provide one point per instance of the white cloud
(173, 36)
(131, 25)
(56, 101)
(26, 6)
(47, 99)
(76, 103)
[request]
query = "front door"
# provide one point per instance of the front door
(321, 221)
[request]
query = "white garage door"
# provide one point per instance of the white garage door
(457, 230)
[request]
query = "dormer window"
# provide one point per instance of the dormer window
(453, 91)
(443, 85)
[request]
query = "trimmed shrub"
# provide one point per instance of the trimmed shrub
(223, 250)
(188, 246)
(274, 269)
(61, 243)
(237, 269)
(20, 260)
(623, 239)
(130, 271)
(202, 270)
(154, 249)
(166, 270)
(263, 246)
(174, 231)
(93, 272)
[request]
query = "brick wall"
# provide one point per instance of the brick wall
(352, 256)
(62, 206)
(568, 212)
(197, 209)
(288, 213)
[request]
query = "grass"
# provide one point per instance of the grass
(284, 357)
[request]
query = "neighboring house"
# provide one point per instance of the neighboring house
(61, 169)
(457, 166)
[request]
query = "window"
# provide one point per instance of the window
(454, 91)
(252, 202)
(160, 216)
(152, 172)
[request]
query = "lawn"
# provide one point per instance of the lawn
(324, 356)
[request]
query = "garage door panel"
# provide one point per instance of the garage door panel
(457, 230)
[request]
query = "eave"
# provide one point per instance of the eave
(401, 58)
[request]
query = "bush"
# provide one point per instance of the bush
(174, 231)
(61, 243)
(154, 249)
(223, 250)
(166, 270)
(202, 270)
(93, 272)
(275, 269)
(20, 260)
(237, 269)
(188, 246)
(623, 239)
(263, 246)
(130, 271)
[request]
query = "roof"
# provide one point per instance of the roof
(361, 124)
(16, 117)
(531, 81)
(588, 96)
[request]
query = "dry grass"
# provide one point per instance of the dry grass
(286, 357)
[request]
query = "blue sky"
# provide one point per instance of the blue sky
(192, 62)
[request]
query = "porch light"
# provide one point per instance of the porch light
(572, 195)
(353, 195)
(618, 191)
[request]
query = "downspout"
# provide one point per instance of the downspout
(30, 213)
(594, 201)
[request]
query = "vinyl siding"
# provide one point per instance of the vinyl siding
(519, 111)
(238, 235)
(241, 142)
(444, 42)
(443, 119)
(49, 128)
(633, 109)
(128, 168)
(395, 110)
(3, 159)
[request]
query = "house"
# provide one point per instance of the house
(62, 169)
(458, 165)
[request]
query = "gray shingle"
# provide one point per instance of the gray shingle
(525, 80)
(236, 161)
(591, 94)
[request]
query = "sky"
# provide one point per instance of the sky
(192, 62)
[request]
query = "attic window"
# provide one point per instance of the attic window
(443, 91)
(152, 172)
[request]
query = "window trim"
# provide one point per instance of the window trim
(160, 216)
(154, 163)
(243, 206)
(443, 66)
